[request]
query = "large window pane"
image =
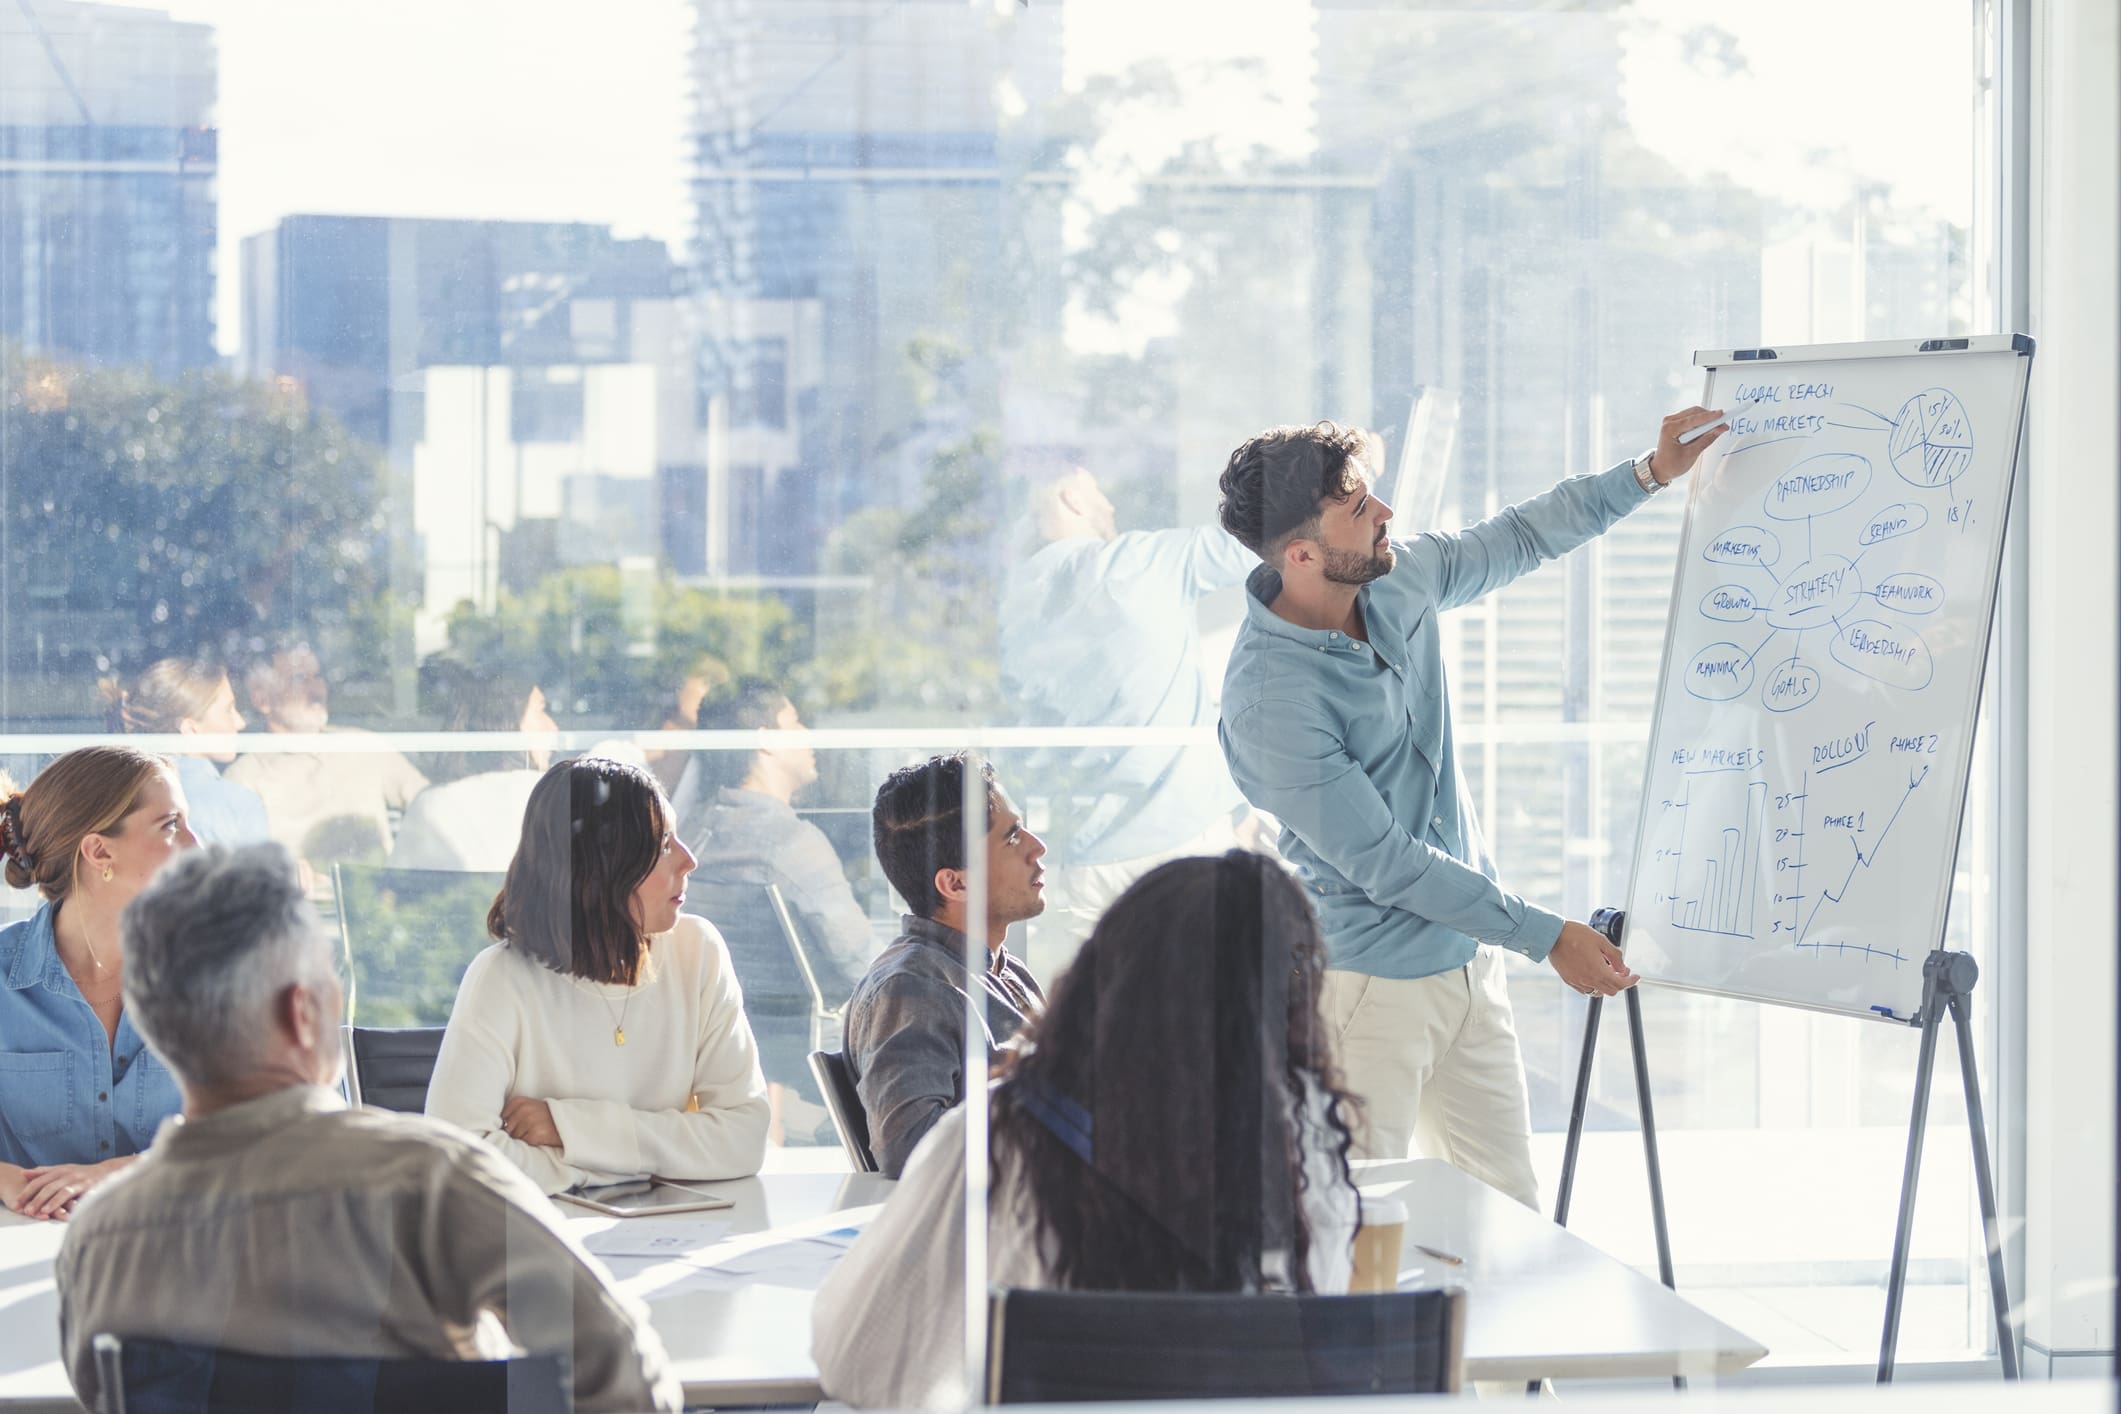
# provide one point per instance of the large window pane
(632, 355)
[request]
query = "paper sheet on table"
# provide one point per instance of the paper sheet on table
(802, 1262)
(674, 1235)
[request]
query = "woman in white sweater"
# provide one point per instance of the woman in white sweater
(1174, 1124)
(603, 1038)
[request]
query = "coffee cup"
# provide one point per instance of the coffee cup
(1377, 1243)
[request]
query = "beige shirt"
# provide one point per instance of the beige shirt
(291, 1225)
(331, 807)
(682, 1098)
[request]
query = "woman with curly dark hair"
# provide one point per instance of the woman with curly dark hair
(1175, 1123)
(603, 1038)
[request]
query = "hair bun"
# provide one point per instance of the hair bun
(12, 844)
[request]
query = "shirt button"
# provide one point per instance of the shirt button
(103, 1097)
(104, 1145)
(1437, 822)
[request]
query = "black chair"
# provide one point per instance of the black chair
(408, 935)
(1068, 1346)
(844, 1102)
(141, 1376)
(389, 1067)
(785, 989)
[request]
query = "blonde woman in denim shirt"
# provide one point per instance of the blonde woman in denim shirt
(80, 1094)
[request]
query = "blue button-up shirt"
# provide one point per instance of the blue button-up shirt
(67, 1094)
(1349, 743)
(217, 809)
(1103, 633)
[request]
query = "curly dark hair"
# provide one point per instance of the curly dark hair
(918, 826)
(1242, 920)
(593, 830)
(1275, 485)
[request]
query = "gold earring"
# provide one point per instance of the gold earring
(107, 873)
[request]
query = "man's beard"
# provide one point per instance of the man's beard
(1347, 567)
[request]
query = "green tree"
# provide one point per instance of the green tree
(599, 643)
(146, 517)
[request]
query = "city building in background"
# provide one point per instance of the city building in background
(529, 383)
(107, 163)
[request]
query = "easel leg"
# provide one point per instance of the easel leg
(1649, 1149)
(1947, 985)
(1918, 1124)
(1984, 1181)
(1574, 1145)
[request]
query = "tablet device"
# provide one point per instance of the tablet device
(643, 1197)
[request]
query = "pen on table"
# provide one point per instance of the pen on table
(1439, 1256)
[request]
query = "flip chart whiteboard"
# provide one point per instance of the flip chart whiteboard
(1815, 718)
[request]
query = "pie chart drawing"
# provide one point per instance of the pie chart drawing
(1933, 440)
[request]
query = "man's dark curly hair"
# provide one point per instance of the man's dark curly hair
(1276, 484)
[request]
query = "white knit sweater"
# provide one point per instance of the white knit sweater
(623, 1112)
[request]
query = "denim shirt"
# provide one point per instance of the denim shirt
(1350, 744)
(219, 810)
(1105, 633)
(67, 1095)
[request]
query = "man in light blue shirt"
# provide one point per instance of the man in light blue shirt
(1336, 719)
(1099, 628)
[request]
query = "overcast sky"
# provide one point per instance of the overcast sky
(573, 111)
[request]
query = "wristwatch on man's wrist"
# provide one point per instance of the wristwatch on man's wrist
(1644, 477)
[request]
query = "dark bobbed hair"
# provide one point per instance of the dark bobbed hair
(748, 704)
(593, 830)
(918, 825)
(486, 698)
(1119, 985)
(1275, 485)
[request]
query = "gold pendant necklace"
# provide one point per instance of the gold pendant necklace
(618, 1018)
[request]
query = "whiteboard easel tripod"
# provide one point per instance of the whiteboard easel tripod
(1777, 859)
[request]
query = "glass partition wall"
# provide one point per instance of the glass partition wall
(865, 370)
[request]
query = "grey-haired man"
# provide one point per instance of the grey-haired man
(270, 1218)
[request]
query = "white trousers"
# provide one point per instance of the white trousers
(1435, 1063)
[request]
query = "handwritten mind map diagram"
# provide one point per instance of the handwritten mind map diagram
(1808, 766)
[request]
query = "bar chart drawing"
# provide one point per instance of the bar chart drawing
(1716, 869)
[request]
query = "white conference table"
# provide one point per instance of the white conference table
(1541, 1302)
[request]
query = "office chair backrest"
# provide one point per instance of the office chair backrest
(393, 1065)
(836, 1082)
(1066, 1346)
(143, 1376)
(408, 935)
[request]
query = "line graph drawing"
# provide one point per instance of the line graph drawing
(1860, 862)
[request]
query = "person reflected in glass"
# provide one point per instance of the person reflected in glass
(905, 1025)
(1100, 628)
(327, 807)
(603, 1037)
(273, 1219)
(465, 820)
(1173, 1122)
(192, 697)
(678, 712)
(746, 836)
(80, 1093)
